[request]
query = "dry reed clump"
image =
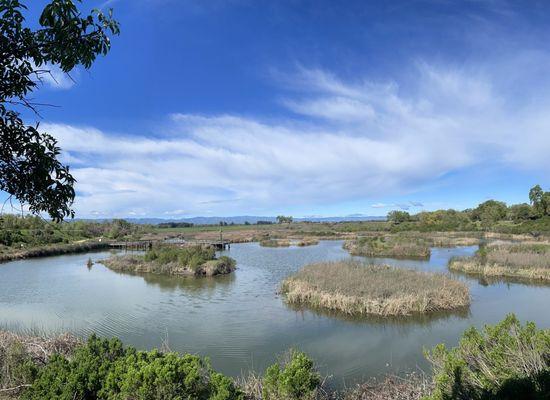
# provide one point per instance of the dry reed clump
(523, 260)
(392, 387)
(136, 264)
(356, 288)
(307, 242)
(20, 355)
(275, 243)
(388, 246)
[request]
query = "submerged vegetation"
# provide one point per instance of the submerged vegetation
(507, 361)
(388, 246)
(513, 260)
(355, 288)
(171, 260)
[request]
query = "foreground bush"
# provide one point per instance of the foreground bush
(295, 379)
(505, 361)
(104, 369)
(21, 357)
(355, 288)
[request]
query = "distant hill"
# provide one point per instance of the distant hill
(253, 219)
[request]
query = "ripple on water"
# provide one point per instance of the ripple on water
(238, 320)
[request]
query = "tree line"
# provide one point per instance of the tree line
(486, 215)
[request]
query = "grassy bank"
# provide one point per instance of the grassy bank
(355, 288)
(388, 246)
(10, 254)
(275, 243)
(512, 260)
(171, 260)
(507, 361)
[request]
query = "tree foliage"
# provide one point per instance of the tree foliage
(30, 169)
(282, 219)
(398, 217)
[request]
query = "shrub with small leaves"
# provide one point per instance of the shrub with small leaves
(505, 361)
(295, 379)
(104, 369)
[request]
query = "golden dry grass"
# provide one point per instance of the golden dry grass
(356, 288)
(388, 246)
(307, 242)
(275, 243)
(513, 260)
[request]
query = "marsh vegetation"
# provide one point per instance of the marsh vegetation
(356, 288)
(388, 246)
(506, 361)
(513, 260)
(275, 243)
(172, 260)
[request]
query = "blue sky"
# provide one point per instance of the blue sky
(307, 108)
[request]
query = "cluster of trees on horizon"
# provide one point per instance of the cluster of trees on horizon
(487, 214)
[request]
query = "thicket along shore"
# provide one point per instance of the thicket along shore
(506, 361)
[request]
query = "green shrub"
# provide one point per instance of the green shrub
(294, 380)
(505, 361)
(104, 369)
(16, 366)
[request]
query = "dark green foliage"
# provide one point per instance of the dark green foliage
(520, 212)
(16, 366)
(192, 257)
(295, 379)
(282, 219)
(30, 169)
(489, 212)
(540, 201)
(175, 225)
(505, 362)
(34, 231)
(104, 369)
(397, 217)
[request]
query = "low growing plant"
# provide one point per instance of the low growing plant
(104, 369)
(295, 379)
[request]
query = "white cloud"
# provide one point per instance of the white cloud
(348, 141)
(54, 77)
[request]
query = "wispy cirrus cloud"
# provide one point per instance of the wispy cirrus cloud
(343, 141)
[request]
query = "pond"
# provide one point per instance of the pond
(238, 320)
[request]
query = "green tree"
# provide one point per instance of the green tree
(30, 169)
(398, 217)
(489, 212)
(520, 212)
(281, 219)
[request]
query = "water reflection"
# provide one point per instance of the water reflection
(407, 320)
(238, 320)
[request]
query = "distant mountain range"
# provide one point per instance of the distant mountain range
(253, 219)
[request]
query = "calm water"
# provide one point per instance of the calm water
(238, 320)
